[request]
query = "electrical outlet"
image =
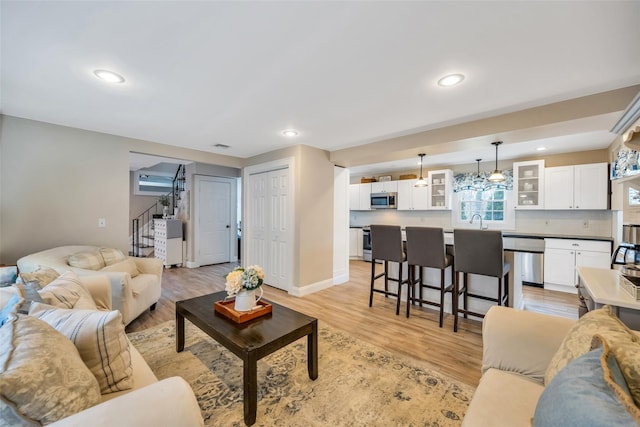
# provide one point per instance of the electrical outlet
(102, 223)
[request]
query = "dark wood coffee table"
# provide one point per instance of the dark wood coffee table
(250, 341)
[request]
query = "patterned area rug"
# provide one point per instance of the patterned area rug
(358, 384)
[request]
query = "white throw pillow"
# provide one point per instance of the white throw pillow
(100, 339)
(67, 291)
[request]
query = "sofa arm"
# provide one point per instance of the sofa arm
(100, 289)
(149, 265)
(521, 341)
(169, 402)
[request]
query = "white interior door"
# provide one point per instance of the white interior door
(278, 227)
(256, 253)
(269, 228)
(214, 220)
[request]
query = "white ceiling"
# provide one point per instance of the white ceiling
(343, 74)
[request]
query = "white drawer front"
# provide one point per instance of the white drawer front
(584, 245)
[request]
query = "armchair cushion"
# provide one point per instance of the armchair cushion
(42, 377)
(125, 266)
(519, 341)
(99, 337)
(578, 341)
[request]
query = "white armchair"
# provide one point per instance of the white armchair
(131, 295)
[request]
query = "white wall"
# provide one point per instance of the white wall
(56, 181)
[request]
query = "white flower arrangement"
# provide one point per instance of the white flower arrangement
(240, 279)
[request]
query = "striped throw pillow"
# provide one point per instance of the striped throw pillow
(100, 339)
(86, 260)
(111, 255)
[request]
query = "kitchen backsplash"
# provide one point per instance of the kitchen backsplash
(578, 223)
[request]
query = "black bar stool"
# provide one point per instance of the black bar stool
(386, 245)
(426, 248)
(478, 252)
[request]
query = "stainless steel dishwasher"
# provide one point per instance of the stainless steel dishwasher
(530, 253)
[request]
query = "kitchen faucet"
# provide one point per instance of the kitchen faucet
(474, 217)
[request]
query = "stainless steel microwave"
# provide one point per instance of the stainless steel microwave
(383, 200)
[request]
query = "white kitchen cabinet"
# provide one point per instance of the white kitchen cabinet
(360, 197)
(411, 197)
(440, 189)
(562, 256)
(576, 187)
(384, 187)
(528, 181)
(355, 243)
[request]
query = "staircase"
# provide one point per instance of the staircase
(142, 232)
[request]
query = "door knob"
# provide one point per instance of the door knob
(228, 226)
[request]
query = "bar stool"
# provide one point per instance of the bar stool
(478, 252)
(386, 245)
(426, 248)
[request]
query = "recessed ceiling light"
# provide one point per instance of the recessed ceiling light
(290, 133)
(109, 76)
(451, 80)
(541, 148)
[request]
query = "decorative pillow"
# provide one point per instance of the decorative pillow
(42, 377)
(111, 255)
(29, 293)
(11, 307)
(627, 354)
(67, 291)
(589, 391)
(42, 276)
(578, 340)
(86, 260)
(100, 339)
(126, 266)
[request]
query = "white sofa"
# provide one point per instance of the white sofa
(130, 295)
(518, 346)
(150, 402)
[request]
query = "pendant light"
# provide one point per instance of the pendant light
(496, 176)
(421, 182)
(478, 175)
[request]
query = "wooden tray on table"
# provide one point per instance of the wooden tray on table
(226, 309)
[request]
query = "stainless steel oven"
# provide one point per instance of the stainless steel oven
(366, 244)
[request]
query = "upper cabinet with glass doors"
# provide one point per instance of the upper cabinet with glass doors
(528, 183)
(440, 189)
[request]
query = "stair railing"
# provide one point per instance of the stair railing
(145, 219)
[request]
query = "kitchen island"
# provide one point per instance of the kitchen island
(598, 287)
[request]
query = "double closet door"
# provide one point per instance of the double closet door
(269, 243)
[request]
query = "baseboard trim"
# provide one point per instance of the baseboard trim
(191, 264)
(312, 288)
(341, 278)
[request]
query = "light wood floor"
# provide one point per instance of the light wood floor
(346, 307)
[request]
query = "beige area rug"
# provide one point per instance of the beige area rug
(358, 384)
